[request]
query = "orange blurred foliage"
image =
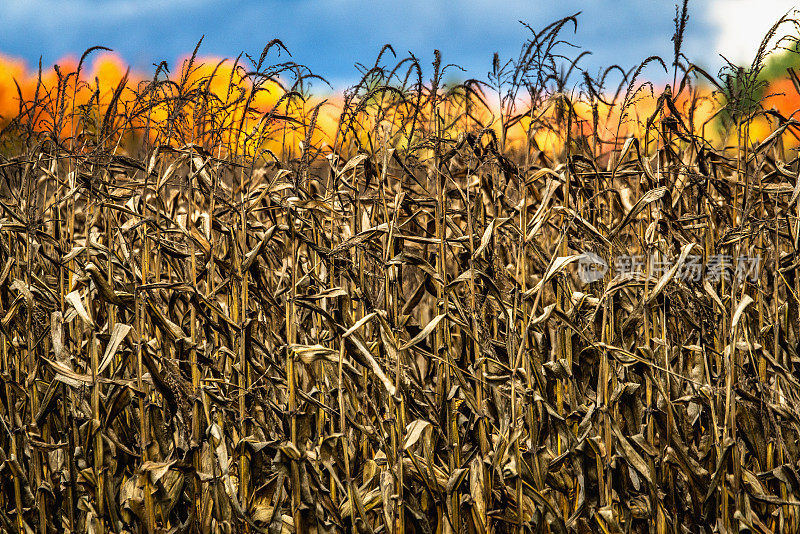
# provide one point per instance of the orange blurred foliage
(233, 115)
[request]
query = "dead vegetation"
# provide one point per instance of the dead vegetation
(386, 332)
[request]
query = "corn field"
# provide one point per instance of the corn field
(220, 318)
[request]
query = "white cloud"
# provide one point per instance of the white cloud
(741, 24)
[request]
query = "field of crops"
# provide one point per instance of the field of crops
(542, 302)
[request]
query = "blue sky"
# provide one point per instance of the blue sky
(330, 36)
